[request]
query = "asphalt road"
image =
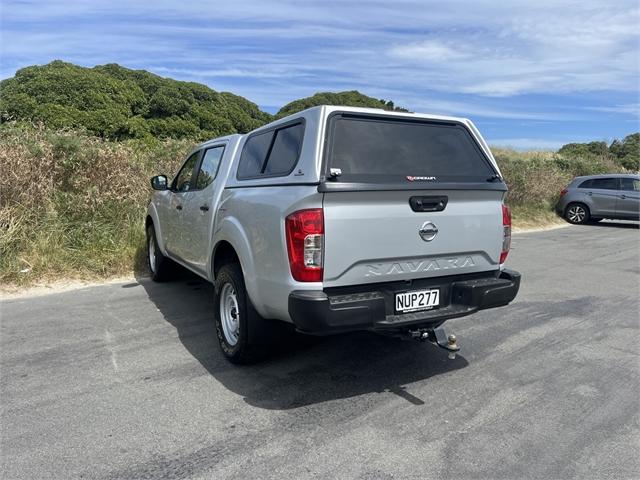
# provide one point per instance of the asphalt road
(126, 381)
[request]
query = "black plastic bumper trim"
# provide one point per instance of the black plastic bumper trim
(370, 307)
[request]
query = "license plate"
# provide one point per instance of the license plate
(418, 300)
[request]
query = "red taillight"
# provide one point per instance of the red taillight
(506, 235)
(305, 244)
(563, 192)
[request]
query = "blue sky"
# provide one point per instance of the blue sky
(531, 74)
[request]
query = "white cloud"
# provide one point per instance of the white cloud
(539, 47)
(627, 108)
(405, 49)
(263, 73)
(479, 108)
(428, 50)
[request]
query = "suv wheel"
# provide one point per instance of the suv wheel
(239, 327)
(159, 265)
(577, 213)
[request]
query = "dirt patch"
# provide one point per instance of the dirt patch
(8, 292)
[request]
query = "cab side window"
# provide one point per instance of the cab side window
(271, 154)
(253, 155)
(209, 167)
(285, 150)
(182, 181)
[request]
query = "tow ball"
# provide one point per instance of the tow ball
(438, 337)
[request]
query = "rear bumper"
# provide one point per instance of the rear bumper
(371, 307)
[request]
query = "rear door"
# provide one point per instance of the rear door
(604, 195)
(409, 199)
(628, 202)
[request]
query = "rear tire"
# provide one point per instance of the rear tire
(577, 213)
(160, 266)
(242, 333)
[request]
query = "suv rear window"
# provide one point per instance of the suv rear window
(630, 184)
(271, 154)
(368, 149)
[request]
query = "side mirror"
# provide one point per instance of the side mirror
(159, 182)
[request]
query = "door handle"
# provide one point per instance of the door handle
(623, 196)
(204, 208)
(179, 207)
(589, 193)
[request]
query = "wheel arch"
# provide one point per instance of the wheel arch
(234, 244)
(223, 253)
(152, 219)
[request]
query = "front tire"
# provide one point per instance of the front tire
(160, 266)
(577, 213)
(240, 329)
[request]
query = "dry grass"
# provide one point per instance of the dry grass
(527, 218)
(72, 206)
(535, 180)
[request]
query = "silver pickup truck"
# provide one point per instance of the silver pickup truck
(338, 219)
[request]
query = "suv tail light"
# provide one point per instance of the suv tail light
(563, 192)
(305, 244)
(506, 235)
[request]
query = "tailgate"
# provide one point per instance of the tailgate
(374, 236)
(378, 168)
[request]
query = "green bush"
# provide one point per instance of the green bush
(624, 153)
(627, 151)
(352, 98)
(117, 103)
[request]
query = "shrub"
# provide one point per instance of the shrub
(535, 179)
(114, 102)
(352, 98)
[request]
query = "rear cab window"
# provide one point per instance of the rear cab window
(273, 153)
(365, 149)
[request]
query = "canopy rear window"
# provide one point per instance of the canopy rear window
(387, 150)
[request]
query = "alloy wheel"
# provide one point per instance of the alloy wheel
(576, 214)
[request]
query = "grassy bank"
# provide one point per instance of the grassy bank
(535, 180)
(72, 205)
